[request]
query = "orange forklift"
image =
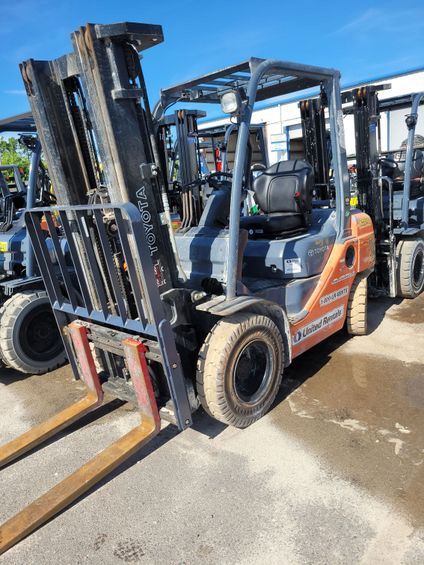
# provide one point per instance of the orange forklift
(211, 315)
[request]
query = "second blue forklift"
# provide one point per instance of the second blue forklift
(29, 339)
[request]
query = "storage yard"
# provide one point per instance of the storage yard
(332, 474)
(211, 322)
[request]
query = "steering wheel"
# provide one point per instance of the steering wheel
(389, 162)
(213, 178)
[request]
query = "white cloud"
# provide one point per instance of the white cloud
(15, 92)
(388, 21)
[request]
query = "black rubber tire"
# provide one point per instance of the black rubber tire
(223, 358)
(21, 349)
(410, 267)
(357, 307)
(2, 362)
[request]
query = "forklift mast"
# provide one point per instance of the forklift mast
(180, 153)
(93, 117)
(366, 117)
(314, 134)
(364, 106)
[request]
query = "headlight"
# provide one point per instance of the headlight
(231, 102)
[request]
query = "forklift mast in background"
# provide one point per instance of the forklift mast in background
(383, 183)
(93, 115)
(364, 107)
(366, 114)
(314, 134)
(180, 155)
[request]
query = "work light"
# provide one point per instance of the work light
(231, 102)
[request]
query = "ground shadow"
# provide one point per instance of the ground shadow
(377, 310)
(9, 376)
(309, 363)
(206, 425)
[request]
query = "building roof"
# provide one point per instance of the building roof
(22, 123)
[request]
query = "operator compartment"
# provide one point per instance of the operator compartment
(393, 167)
(274, 241)
(282, 250)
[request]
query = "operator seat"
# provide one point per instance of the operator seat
(284, 193)
(394, 167)
(417, 172)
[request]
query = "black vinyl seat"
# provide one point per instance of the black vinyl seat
(284, 193)
(394, 167)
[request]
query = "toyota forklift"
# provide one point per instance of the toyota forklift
(388, 185)
(29, 338)
(248, 293)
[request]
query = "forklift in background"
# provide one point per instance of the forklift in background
(198, 159)
(219, 144)
(29, 339)
(389, 186)
(211, 315)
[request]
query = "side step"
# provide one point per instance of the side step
(79, 482)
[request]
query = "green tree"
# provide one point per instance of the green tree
(12, 152)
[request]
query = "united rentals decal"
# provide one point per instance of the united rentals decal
(343, 277)
(333, 296)
(317, 325)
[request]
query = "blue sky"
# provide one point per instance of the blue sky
(362, 39)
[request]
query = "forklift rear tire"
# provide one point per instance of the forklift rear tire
(357, 314)
(240, 368)
(29, 336)
(410, 255)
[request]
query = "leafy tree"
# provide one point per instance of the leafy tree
(12, 152)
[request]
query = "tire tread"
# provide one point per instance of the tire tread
(357, 315)
(405, 253)
(216, 348)
(9, 310)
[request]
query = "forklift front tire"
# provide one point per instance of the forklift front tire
(357, 314)
(240, 368)
(410, 270)
(30, 339)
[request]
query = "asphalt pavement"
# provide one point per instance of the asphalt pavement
(333, 474)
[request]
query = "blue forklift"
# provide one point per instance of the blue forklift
(29, 339)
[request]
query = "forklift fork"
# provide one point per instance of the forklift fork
(79, 482)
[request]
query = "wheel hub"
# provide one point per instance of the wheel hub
(39, 336)
(252, 371)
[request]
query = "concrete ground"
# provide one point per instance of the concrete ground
(333, 474)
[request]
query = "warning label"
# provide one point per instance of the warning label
(328, 298)
(293, 265)
(318, 325)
